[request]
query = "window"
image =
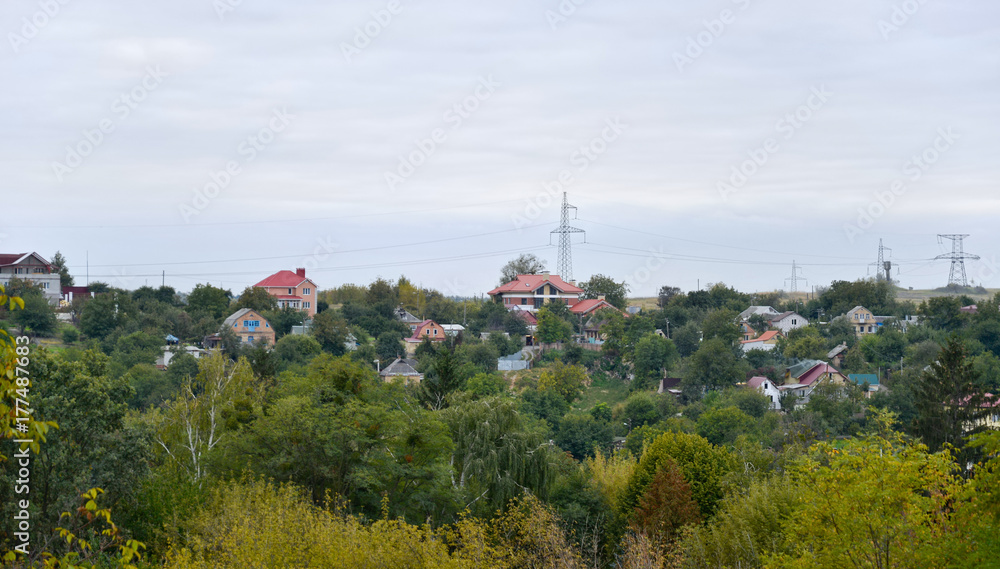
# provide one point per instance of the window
(305, 305)
(250, 339)
(794, 322)
(291, 291)
(306, 291)
(435, 332)
(524, 301)
(39, 270)
(18, 270)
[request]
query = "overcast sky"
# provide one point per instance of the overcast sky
(221, 141)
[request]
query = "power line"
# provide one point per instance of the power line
(343, 267)
(301, 255)
(957, 256)
(258, 222)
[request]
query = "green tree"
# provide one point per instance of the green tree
(870, 503)
(721, 324)
(105, 312)
(551, 328)
(652, 357)
(389, 346)
(949, 399)
(687, 339)
(296, 350)
(210, 300)
(599, 285)
(60, 265)
(496, 457)
(443, 379)
(666, 293)
(580, 435)
(703, 465)
(38, 317)
(194, 423)
(723, 426)
(566, 380)
(714, 366)
(255, 298)
(330, 330)
(524, 264)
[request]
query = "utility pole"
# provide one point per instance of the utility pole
(957, 257)
(565, 261)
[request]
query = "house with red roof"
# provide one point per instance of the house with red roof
(768, 388)
(590, 305)
(31, 267)
(292, 289)
(766, 341)
(428, 329)
(531, 292)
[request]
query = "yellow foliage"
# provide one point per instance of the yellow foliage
(257, 524)
(611, 474)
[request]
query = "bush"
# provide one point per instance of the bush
(70, 335)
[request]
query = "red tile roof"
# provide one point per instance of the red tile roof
(769, 335)
(416, 337)
(529, 283)
(283, 279)
(589, 305)
(809, 377)
(11, 258)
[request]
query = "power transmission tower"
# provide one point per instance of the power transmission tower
(882, 264)
(795, 278)
(957, 257)
(565, 262)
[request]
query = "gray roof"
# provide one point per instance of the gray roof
(228, 322)
(833, 353)
(405, 316)
(802, 367)
(756, 309)
(400, 367)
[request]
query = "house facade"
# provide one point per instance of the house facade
(862, 320)
(293, 290)
(34, 268)
(787, 321)
(766, 341)
(531, 292)
(768, 388)
(427, 329)
(250, 327)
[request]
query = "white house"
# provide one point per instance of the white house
(787, 321)
(767, 387)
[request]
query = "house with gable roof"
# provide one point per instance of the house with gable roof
(428, 329)
(34, 268)
(787, 321)
(250, 326)
(402, 368)
(766, 341)
(531, 292)
(293, 290)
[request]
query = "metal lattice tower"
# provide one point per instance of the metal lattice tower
(565, 262)
(957, 257)
(882, 264)
(795, 278)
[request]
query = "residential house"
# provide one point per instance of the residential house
(170, 352)
(406, 318)
(748, 332)
(837, 355)
(250, 326)
(766, 341)
(762, 310)
(34, 268)
(531, 292)
(587, 306)
(293, 290)
(787, 321)
(802, 378)
(869, 379)
(768, 388)
(402, 368)
(862, 320)
(426, 329)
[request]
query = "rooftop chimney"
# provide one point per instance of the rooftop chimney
(300, 272)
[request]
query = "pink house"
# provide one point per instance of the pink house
(292, 289)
